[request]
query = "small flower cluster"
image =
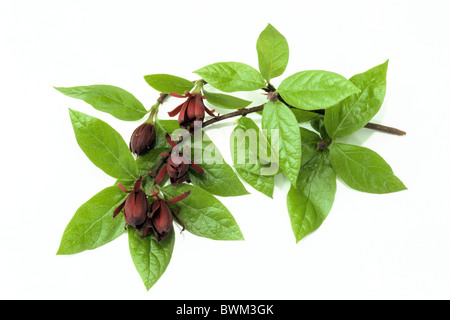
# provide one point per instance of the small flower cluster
(157, 215)
(177, 165)
(141, 215)
(191, 111)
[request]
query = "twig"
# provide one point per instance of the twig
(244, 112)
(240, 112)
(386, 129)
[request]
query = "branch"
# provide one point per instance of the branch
(245, 111)
(240, 112)
(386, 129)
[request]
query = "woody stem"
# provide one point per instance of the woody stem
(245, 111)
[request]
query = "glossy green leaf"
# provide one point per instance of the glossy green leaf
(310, 201)
(363, 169)
(113, 100)
(310, 140)
(149, 256)
(104, 146)
(252, 173)
(93, 225)
(319, 125)
(162, 127)
(304, 116)
(225, 101)
(315, 89)
(167, 83)
(277, 116)
(273, 53)
(147, 161)
(355, 112)
(204, 215)
(219, 179)
(232, 76)
(252, 155)
(264, 184)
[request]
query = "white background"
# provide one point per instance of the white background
(393, 246)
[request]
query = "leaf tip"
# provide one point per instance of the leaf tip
(60, 252)
(72, 112)
(148, 286)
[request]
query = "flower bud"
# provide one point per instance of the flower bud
(177, 166)
(136, 205)
(193, 109)
(177, 172)
(142, 139)
(161, 217)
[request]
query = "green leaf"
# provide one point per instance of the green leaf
(162, 127)
(273, 53)
(319, 126)
(363, 169)
(310, 201)
(204, 215)
(147, 161)
(315, 89)
(355, 112)
(225, 101)
(246, 140)
(264, 184)
(277, 116)
(113, 100)
(232, 76)
(104, 146)
(219, 180)
(310, 140)
(250, 172)
(304, 116)
(167, 83)
(93, 225)
(149, 256)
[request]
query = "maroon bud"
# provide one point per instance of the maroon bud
(136, 208)
(177, 170)
(142, 139)
(321, 145)
(136, 205)
(272, 96)
(161, 217)
(177, 166)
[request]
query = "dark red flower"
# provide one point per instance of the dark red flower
(136, 205)
(142, 139)
(177, 166)
(193, 109)
(160, 216)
